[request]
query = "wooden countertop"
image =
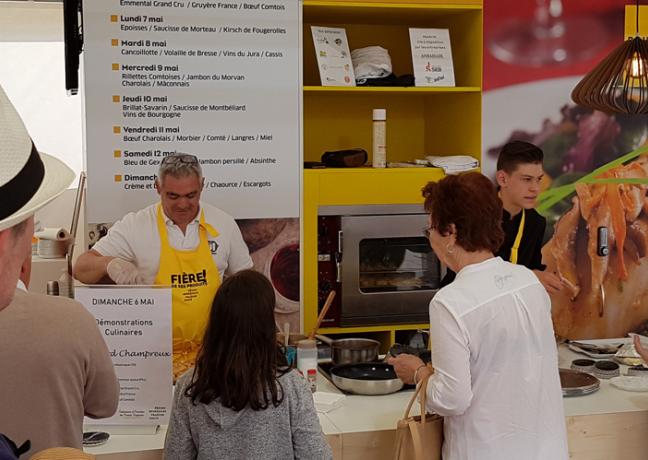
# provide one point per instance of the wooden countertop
(600, 425)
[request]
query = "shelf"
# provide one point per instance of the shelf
(437, 173)
(387, 328)
(413, 90)
(383, 13)
(436, 121)
(359, 186)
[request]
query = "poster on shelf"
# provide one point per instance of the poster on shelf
(135, 323)
(333, 56)
(432, 57)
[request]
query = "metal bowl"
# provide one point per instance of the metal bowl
(348, 351)
(366, 378)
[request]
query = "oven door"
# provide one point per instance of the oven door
(389, 272)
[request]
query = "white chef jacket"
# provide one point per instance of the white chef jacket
(135, 238)
(496, 366)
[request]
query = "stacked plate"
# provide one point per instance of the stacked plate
(53, 249)
(576, 383)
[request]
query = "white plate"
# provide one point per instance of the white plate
(624, 382)
(577, 349)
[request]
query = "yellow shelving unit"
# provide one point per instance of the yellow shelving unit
(420, 120)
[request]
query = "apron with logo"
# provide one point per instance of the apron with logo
(518, 238)
(194, 278)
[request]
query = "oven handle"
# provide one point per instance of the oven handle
(338, 258)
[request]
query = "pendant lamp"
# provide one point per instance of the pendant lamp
(619, 83)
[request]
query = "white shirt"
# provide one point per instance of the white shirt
(135, 238)
(496, 366)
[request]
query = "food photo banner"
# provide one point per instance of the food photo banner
(594, 192)
(220, 80)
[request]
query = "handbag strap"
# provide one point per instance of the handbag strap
(417, 443)
(414, 427)
(411, 401)
(421, 386)
(423, 399)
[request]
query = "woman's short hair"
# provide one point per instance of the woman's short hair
(240, 359)
(470, 202)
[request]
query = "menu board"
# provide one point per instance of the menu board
(220, 80)
(135, 323)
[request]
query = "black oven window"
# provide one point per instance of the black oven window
(398, 264)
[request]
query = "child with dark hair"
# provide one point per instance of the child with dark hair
(242, 400)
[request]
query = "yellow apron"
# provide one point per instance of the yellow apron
(518, 239)
(194, 278)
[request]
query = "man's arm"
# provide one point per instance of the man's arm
(112, 257)
(551, 281)
(239, 255)
(91, 267)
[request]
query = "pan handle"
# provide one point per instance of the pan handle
(327, 340)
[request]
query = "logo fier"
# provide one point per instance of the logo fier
(189, 279)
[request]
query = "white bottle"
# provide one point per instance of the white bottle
(307, 359)
(379, 152)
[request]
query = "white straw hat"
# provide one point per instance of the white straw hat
(28, 179)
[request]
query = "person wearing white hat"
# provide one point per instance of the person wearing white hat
(54, 365)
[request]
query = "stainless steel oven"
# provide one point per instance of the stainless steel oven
(379, 261)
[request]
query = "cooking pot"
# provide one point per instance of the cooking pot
(366, 378)
(349, 351)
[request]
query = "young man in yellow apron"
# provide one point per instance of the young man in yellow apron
(180, 242)
(519, 175)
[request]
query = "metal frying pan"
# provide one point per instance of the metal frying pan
(366, 378)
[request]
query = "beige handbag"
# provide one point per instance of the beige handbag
(419, 438)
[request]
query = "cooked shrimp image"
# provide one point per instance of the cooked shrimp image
(600, 250)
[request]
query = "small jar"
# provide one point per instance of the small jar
(606, 369)
(311, 376)
(379, 138)
(306, 356)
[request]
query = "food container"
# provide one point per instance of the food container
(606, 369)
(638, 371)
(583, 365)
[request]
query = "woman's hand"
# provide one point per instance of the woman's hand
(643, 352)
(406, 365)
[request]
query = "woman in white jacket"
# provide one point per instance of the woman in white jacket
(495, 361)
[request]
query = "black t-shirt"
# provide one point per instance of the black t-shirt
(529, 252)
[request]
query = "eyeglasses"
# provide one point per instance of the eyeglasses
(183, 158)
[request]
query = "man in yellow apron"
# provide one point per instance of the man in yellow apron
(181, 242)
(519, 175)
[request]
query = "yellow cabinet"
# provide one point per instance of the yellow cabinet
(420, 121)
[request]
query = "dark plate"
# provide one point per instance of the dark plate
(365, 371)
(575, 383)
